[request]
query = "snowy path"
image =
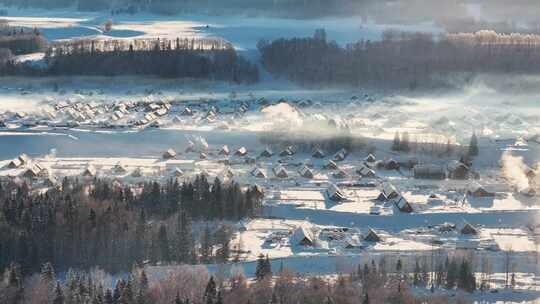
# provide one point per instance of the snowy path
(398, 222)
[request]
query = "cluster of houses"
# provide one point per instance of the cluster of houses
(453, 170)
(305, 235)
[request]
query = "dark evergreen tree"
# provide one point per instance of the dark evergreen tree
(58, 294)
(210, 293)
(396, 144)
(473, 146)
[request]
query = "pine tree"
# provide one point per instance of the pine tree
(108, 299)
(267, 266)
(206, 245)
(58, 294)
(219, 299)
(416, 274)
(451, 274)
(396, 145)
(260, 271)
(163, 243)
(404, 144)
(47, 273)
(513, 281)
(473, 146)
(210, 292)
(184, 236)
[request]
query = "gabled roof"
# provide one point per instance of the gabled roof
(318, 153)
(365, 171)
(455, 165)
(119, 169)
(330, 164)
(280, 172)
(31, 172)
(241, 151)
(178, 172)
(370, 158)
(187, 111)
(14, 163)
(335, 194)
(372, 236)
(224, 150)
(267, 152)
(468, 229)
(389, 190)
(340, 155)
(287, 151)
(303, 236)
(89, 171)
(258, 173)
(24, 158)
(305, 171)
(170, 153)
(402, 204)
(340, 173)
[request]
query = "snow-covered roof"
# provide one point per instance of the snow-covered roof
(340, 155)
(372, 236)
(257, 172)
(267, 152)
(340, 173)
(24, 158)
(370, 158)
(287, 151)
(224, 150)
(402, 204)
(14, 163)
(119, 168)
(280, 172)
(330, 164)
(318, 153)
(389, 190)
(305, 171)
(89, 171)
(365, 171)
(178, 172)
(170, 153)
(241, 151)
(334, 193)
(303, 236)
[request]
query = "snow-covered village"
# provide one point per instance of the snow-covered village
(263, 156)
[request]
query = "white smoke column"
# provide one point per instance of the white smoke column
(283, 113)
(51, 154)
(514, 170)
(200, 142)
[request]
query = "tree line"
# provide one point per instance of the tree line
(365, 283)
(17, 41)
(101, 223)
(401, 59)
(183, 58)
